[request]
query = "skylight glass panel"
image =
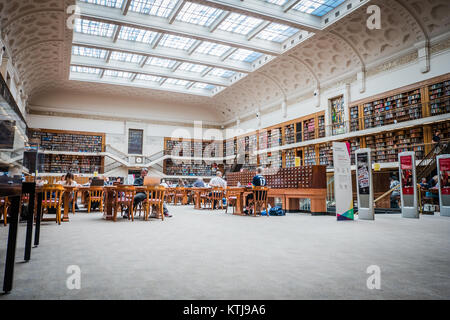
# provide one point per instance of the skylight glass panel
(277, 2)
(94, 28)
(192, 67)
(317, 7)
(79, 69)
(218, 72)
(245, 55)
(213, 49)
(177, 82)
(158, 62)
(160, 8)
(126, 57)
(176, 42)
(277, 32)
(106, 3)
(139, 35)
(118, 74)
(239, 23)
(200, 85)
(198, 14)
(89, 52)
(146, 77)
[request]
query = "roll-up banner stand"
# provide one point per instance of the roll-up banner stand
(342, 182)
(408, 185)
(443, 164)
(364, 184)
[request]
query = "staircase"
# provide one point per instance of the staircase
(429, 162)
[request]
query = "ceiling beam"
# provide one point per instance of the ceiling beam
(257, 30)
(179, 28)
(175, 67)
(157, 40)
(164, 53)
(206, 71)
(141, 84)
(268, 11)
(176, 10)
(290, 4)
(227, 53)
(194, 46)
(162, 81)
(116, 33)
(219, 20)
(189, 85)
(126, 7)
(148, 70)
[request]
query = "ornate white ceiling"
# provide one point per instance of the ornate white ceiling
(36, 35)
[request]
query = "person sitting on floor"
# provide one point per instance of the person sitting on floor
(257, 181)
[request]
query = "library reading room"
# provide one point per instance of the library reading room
(224, 150)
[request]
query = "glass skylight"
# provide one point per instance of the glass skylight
(139, 35)
(192, 67)
(317, 7)
(277, 32)
(177, 82)
(198, 14)
(147, 77)
(218, 72)
(117, 74)
(106, 3)
(213, 49)
(89, 52)
(245, 55)
(94, 28)
(277, 2)
(239, 23)
(158, 62)
(201, 85)
(176, 42)
(79, 69)
(126, 57)
(160, 8)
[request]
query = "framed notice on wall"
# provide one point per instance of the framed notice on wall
(135, 141)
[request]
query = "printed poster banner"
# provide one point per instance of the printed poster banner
(343, 182)
(407, 175)
(444, 169)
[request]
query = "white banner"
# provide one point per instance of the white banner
(342, 182)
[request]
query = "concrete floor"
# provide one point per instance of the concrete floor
(210, 255)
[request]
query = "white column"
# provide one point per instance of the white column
(423, 51)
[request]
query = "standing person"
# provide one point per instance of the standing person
(394, 195)
(437, 141)
(258, 181)
(141, 196)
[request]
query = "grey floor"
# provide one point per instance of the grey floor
(210, 255)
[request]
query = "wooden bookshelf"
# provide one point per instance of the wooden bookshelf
(439, 98)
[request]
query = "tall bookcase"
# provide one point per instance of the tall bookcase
(55, 142)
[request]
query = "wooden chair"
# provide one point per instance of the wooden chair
(232, 196)
(52, 198)
(95, 194)
(217, 195)
(124, 198)
(4, 205)
(155, 199)
(179, 194)
(170, 195)
(260, 199)
(205, 200)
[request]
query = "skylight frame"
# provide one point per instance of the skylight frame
(245, 55)
(317, 7)
(192, 67)
(89, 52)
(118, 74)
(126, 57)
(277, 32)
(159, 8)
(137, 35)
(177, 82)
(176, 42)
(239, 23)
(198, 14)
(85, 70)
(223, 73)
(203, 85)
(148, 78)
(106, 3)
(95, 28)
(212, 48)
(160, 62)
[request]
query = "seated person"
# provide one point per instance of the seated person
(424, 184)
(164, 184)
(199, 183)
(88, 184)
(217, 181)
(257, 181)
(140, 196)
(69, 181)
